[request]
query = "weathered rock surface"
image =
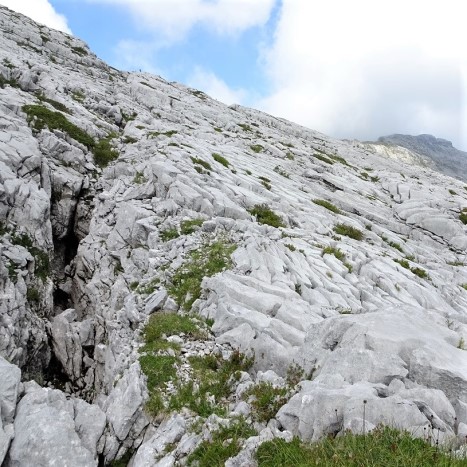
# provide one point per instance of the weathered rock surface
(87, 254)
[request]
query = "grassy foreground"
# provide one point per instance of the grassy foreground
(383, 447)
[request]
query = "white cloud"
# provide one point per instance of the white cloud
(364, 68)
(135, 55)
(171, 20)
(39, 10)
(213, 86)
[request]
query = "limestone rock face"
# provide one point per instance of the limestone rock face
(49, 429)
(348, 266)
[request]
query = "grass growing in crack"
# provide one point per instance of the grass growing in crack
(226, 443)
(203, 262)
(40, 117)
(264, 215)
(159, 366)
(190, 226)
(57, 105)
(348, 231)
(416, 270)
(222, 160)
(256, 148)
(383, 446)
(328, 205)
(339, 254)
(41, 258)
(329, 250)
(197, 160)
(212, 379)
(169, 234)
(323, 158)
(168, 324)
(104, 153)
(278, 169)
(266, 400)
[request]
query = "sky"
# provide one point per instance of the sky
(348, 68)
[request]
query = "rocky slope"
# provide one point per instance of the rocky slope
(425, 150)
(120, 191)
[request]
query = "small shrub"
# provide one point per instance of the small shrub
(197, 160)
(281, 171)
(130, 140)
(328, 205)
(290, 246)
(222, 160)
(214, 377)
(267, 400)
(244, 126)
(329, 250)
(40, 117)
(169, 234)
(32, 295)
(290, 156)
(57, 105)
(226, 443)
(248, 172)
(463, 217)
(266, 185)
(78, 96)
(203, 262)
(139, 178)
(348, 231)
(419, 272)
(190, 226)
(168, 324)
(452, 192)
(256, 148)
(464, 286)
(264, 215)
(323, 158)
(80, 51)
(396, 246)
(295, 374)
(403, 262)
(104, 153)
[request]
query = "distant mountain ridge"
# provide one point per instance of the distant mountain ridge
(447, 159)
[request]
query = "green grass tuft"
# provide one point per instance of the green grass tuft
(203, 262)
(348, 231)
(256, 148)
(264, 215)
(40, 117)
(328, 205)
(222, 160)
(226, 443)
(190, 226)
(382, 447)
(104, 153)
(267, 400)
(169, 234)
(197, 160)
(214, 377)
